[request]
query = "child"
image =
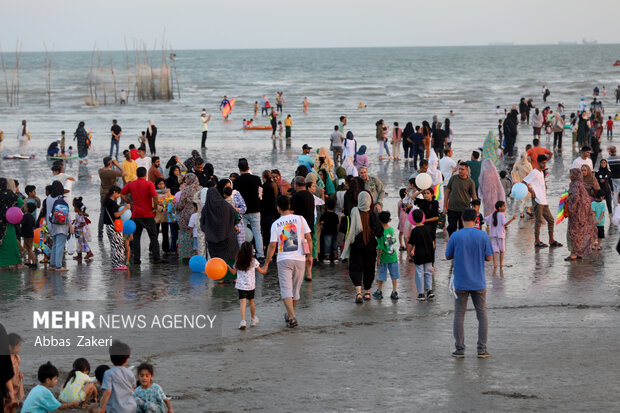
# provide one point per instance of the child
(70, 151)
(599, 208)
(475, 204)
(78, 386)
(423, 254)
(430, 209)
(245, 266)
(194, 224)
(402, 218)
(15, 386)
(99, 372)
(32, 198)
(500, 131)
(28, 225)
(40, 398)
(149, 396)
(329, 225)
(118, 382)
(80, 223)
(280, 129)
(506, 182)
(610, 128)
(497, 234)
(133, 152)
(387, 259)
(255, 109)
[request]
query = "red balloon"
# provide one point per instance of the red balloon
(118, 225)
(37, 236)
(216, 268)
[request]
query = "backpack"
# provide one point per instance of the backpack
(60, 212)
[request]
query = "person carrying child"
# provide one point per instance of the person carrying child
(245, 267)
(149, 396)
(40, 398)
(497, 223)
(387, 257)
(78, 387)
(422, 242)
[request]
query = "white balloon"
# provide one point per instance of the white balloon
(423, 181)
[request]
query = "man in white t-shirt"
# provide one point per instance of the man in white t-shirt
(447, 164)
(143, 161)
(584, 159)
(288, 234)
(535, 182)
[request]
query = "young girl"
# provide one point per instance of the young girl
(497, 224)
(280, 129)
(149, 396)
(194, 224)
(402, 218)
(15, 386)
(245, 267)
(80, 223)
(78, 387)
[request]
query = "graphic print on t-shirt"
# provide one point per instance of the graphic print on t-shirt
(289, 239)
(391, 241)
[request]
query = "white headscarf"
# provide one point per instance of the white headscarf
(363, 204)
(433, 164)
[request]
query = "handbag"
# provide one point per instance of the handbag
(71, 246)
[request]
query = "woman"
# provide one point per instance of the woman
(537, 123)
(348, 154)
(6, 367)
(581, 225)
(82, 141)
(234, 198)
(520, 170)
(185, 209)
(174, 178)
(23, 135)
(323, 161)
(490, 148)
(326, 183)
(490, 188)
(397, 137)
(351, 195)
(218, 222)
(9, 247)
(360, 246)
(174, 160)
(589, 181)
(112, 213)
(407, 143)
(58, 231)
(427, 132)
(583, 130)
(151, 134)
(268, 208)
(603, 177)
(361, 159)
(449, 133)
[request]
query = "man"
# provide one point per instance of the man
(417, 143)
(535, 182)
(447, 165)
(374, 186)
(474, 167)
(204, 120)
(116, 137)
(249, 186)
(288, 233)
(302, 203)
(458, 194)
(613, 163)
(263, 106)
(336, 139)
(123, 97)
(130, 167)
(201, 172)
(558, 130)
(536, 150)
(305, 159)
(469, 248)
(438, 140)
(584, 159)
(546, 94)
(108, 177)
(523, 109)
(154, 171)
(143, 161)
(342, 124)
(582, 105)
(143, 197)
(617, 93)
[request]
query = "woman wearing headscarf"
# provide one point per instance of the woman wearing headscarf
(426, 132)
(407, 143)
(583, 130)
(9, 247)
(23, 134)
(582, 231)
(589, 181)
(81, 136)
(323, 161)
(433, 168)
(174, 178)
(151, 134)
(6, 367)
(603, 176)
(490, 148)
(185, 209)
(234, 198)
(360, 158)
(268, 208)
(218, 222)
(328, 185)
(59, 232)
(490, 187)
(520, 170)
(360, 246)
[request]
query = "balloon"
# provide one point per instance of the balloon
(197, 263)
(126, 216)
(249, 235)
(14, 215)
(37, 236)
(118, 225)
(410, 217)
(519, 191)
(423, 181)
(177, 197)
(129, 227)
(216, 268)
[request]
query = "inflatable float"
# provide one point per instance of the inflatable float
(228, 108)
(60, 158)
(257, 127)
(617, 63)
(17, 156)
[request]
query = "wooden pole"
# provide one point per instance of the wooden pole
(174, 65)
(6, 81)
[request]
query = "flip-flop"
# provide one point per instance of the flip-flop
(292, 323)
(358, 298)
(366, 296)
(540, 245)
(555, 244)
(308, 279)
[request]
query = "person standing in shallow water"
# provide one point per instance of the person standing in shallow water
(204, 120)
(82, 142)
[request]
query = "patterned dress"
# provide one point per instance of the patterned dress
(237, 201)
(80, 223)
(150, 400)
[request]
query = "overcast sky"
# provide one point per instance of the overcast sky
(223, 24)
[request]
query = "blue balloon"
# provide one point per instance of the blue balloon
(519, 191)
(129, 227)
(126, 216)
(197, 263)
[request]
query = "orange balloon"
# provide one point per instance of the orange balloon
(37, 236)
(216, 268)
(118, 225)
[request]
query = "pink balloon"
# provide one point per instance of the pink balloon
(14, 215)
(177, 197)
(410, 217)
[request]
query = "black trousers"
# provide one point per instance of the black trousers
(152, 145)
(204, 139)
(165, 240)
(510, 143)
(362, 264)
(557, 139)
(151, 228)
(454, 221)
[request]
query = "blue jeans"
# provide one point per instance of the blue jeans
(114, 143)
(254, 220)
(416, 153)
(392, 268)
(424, 277)
(58, 250)
(460, 307)
(383, 145)
(331, 244)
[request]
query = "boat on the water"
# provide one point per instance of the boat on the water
(257, 127)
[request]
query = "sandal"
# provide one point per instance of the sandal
(555, 244)
(307, 279)
(292, 323)
(286, 318)
(358, 298)
(569, 258)
(540, 244)
(366, 296)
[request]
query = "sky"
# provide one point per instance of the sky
(67, 25)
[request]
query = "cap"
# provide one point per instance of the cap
(306, 146)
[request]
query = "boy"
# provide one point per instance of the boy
(475, 204)
(387, 258)
(610, 128)
(500, 130)
(28, 226)
(280, 129)
(99, 372)
(40, 399)
(329, 224)
(133, 151)
(506, 182)
(118, 382)
(194, 224)
(599, 207)
(423, 254)
(32, 198)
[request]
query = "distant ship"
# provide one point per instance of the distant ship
(589, 41)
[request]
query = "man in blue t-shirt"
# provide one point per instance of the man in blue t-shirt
(469, 248)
